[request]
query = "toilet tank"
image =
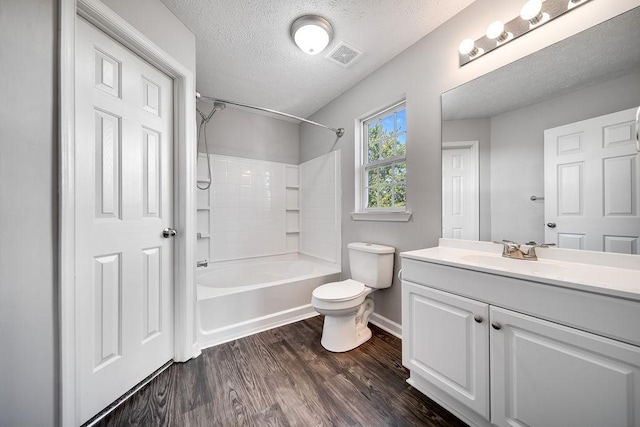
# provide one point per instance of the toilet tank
(371, 264)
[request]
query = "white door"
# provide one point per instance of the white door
(124, 200)
(544, 374)
(592, 184)
(460, 191)
(447, 343)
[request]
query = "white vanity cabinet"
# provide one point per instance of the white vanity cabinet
(545, 374)
(447, 343)
(506, 351)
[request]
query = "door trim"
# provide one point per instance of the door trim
(185, 344)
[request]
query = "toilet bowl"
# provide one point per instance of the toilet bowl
(348, 304)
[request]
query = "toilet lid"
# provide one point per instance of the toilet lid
(339, 291)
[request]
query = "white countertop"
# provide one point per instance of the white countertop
(604, 273)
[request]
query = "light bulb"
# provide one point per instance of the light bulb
(531, 11)
(467, 46)
(495, 31)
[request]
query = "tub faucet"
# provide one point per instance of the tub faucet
(202, 263)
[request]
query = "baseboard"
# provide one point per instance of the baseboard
(387, 325)
(239, 330)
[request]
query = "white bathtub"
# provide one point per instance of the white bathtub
(239, 298)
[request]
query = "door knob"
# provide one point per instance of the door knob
(168, 232)
(477, 318)
(551, 224)
(495, 325)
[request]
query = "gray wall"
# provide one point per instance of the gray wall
(239, 133)
(28, 175)
(29, 374)
(422, 73)
(517, 150)
(476, 130)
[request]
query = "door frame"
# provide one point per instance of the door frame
(474, 147)
(184, 172)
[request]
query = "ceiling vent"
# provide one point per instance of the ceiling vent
(344, 54)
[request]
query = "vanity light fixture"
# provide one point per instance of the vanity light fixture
(311, 33)
(533, 14)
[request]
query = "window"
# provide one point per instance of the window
(384, 166)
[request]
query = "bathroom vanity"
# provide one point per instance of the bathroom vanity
(507, 342)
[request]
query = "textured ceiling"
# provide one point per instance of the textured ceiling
(245, 52)
(601, 53)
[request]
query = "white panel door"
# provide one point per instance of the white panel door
(124, 267)
(460, 191)
(447, 343)
(592, 186)
(545, 374)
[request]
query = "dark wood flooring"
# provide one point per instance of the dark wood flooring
(283, 377)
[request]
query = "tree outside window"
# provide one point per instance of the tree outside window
(385, 166)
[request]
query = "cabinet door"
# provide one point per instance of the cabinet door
(445, 341)
(544, 374)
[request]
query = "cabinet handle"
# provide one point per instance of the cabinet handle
(400, 275)
(477, 318)
(495, 325)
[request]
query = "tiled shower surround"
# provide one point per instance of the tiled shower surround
(256, 208)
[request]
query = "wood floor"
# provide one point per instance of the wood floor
(283, 377)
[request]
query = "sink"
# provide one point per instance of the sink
(536, 268)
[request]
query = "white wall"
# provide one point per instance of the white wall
(29, 366)
(422, 73)
(239, 133)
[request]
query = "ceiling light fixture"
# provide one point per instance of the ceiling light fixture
(533, 14)
(311, 33)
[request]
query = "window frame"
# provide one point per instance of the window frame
(364, 165)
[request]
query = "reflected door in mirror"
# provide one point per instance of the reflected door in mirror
(460, 191)
(591, 184)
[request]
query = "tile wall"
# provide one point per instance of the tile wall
(246, 212)
(257, 208)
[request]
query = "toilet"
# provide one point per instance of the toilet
(347, 305)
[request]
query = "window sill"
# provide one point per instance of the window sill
(381, 216)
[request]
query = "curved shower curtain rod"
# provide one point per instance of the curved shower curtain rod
(339, 132)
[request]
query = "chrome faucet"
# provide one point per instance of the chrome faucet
(513, 250)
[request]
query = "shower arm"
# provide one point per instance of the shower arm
(339, 132)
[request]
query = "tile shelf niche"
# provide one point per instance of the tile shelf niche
(203, 208)
(292, 203)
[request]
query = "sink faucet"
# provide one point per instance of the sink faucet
(513, 250)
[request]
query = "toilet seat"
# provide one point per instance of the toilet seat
(339, 291)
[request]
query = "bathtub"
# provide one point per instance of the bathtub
(239, 298)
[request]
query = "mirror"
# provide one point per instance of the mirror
(495, 126)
